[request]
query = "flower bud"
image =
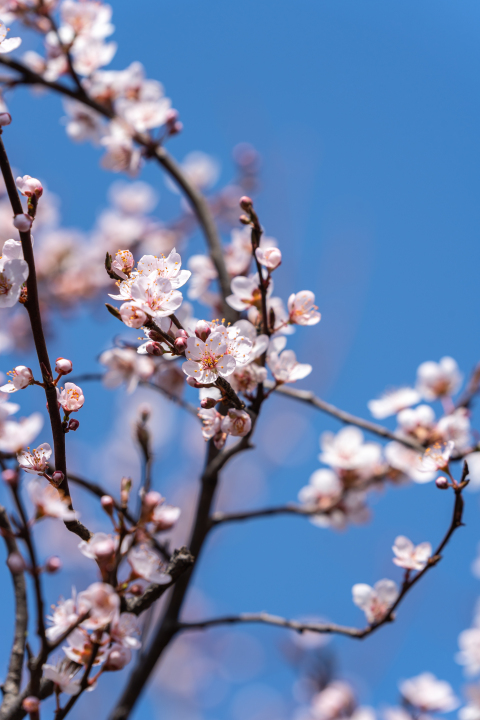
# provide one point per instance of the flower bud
(107, 504)
(22, 222)
(63, 366)
(208, 403)
(10, 477)
(154, 348)
(5, 119)
(181, 333)
(16, 563)
(176, 128)
(136, 589)
(29, 186)
(172, 117)
(58, 477)
(202, 330)
(192, 382)
(53, 564)
(132, 316)
(246, 203)
(118, 657)
(244, 219)
(31, 704)
(442, 483)
(73, 424)
(180, 345)
(104, 550)
(151, 500)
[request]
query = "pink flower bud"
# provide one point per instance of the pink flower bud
(29, 186)
(132, 316)
(442, 483)
(53, 564)
(154, 348)
(202, 330)
(5, 119)
(58, 477)
(180, 344)
(104, 550)
(208, 403)
(136, 589)
(118, 657)
(31, 704)
(181, 333)
(172, 117)
(73, 424)
(244, 219)
(176, 128)
(192, 382)
(152, 499)
(246, 203)
(63, 366)
(107, 504)
(22, 222)
(16, 563)
(10, 477)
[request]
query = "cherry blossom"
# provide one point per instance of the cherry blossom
(436, 456)
(201, 169)
(406, 461)
(8, 44)
(471, 711)
(102, 603)
(245, 379)
(169, 267)
(238, 346)
(122, 264)
(377, 600)
(100, 547)
(324, 489)
(203, 273)
(63, 617)
(29, 186)
(270, 257)
(121, 154)
(124, 365)
(134, 198)
(23, 222)
(455, 427)
(125, 630)
(285, 368)
(13, 272)
(21, 377)
(212, 426)
(469, 655)
(145, 563)
(155, 295)
(417, 422)
(164, 517)
(49, 502)
(118, 656)
(132, 315)
(36, 461)
(237, 423)
(438, 380)
(206, 361)
(16, 435)
(63, 678)
(302, 309)
(245, 293)
(347, 451)
(428, 694)
(82, 122)
(336, 700)
(87, 18)
(70, 397)
(393, 401)
(63, 366)
(409, 556)
(80, 648)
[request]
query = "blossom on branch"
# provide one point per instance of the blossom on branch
(145, 563)
(35, 461)
(8, 44)
(206, 361)
(21, 377)
(302, 309)
(70, 397)
(375, 601)
(49, 502)
(63, 678)
(428, 694)
(124, 365)
(393, 401)
(13, 273)
(29, 186)
(438, 380)
(409, 556)
(237, 423)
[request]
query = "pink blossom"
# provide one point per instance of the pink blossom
(145, 563)
(269, 257)
(377, 600)
(49, 502)
(7, 44)
(70, 397)
(21, 377)
(336, 700)
(406, 460)
(35, 461)
(16, 435)
(125, 631)
(469, 655)
(428, 694)
(123, 263)
(393, 401)
(238, 346)
(206, 361)
(155, 295)
(409, 556)
(63, 366)
(101, 548)
(132, 315)
(203, 273)
(417, 422)
(437, 380)
(436, 456)
(87, 18)
(164, 517)
(63, 678)
(455, 427)
(64, 616)
(13, 273)
(285, 368)
(237, 423)
(302, 309)
(102, 603)
(324, 489)
(246, 378)
(29, 186)
(169, 268)
(347, 451)
(124, 365)
(121, 154)
(212, 426)
(80, 648)
(118, 656)
(201, 169)
(22, 222)
(83, 123)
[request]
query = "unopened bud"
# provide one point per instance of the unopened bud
(53, 564)
(31, 704)
(176, 128)
(192, 382)
(10, 477)
(442, 483)
(244, 219)
(172, 117)
(104, 550)
(22, 222)
(208, 403)
(180, 333)
(154, 348)
(118, 657)
(29, 186)
(58, 477)
(107, 504)
(136, 589)
(180, 344)
(202, 330)
(246, 203)
(73, 424)
(16, 563)
(5, 119)
(151, 500)
(63, 366)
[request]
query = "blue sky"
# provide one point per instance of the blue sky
(366, 117)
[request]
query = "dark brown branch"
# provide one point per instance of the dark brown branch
(13, 681)
(33, 309)
(471, 390)
(359, 633)
(310, 398)
(219, 518)
(195, 197)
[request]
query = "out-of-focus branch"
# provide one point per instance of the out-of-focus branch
(308, 397)
(153, 149)
(33, 309)
(219, 518)
(359, 633)
(13, 681)
(471, 390)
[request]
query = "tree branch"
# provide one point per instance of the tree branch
(471, 390)
(13, 681)
(219, 518)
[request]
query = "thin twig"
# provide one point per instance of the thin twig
(13, 681)
(219, 518)
(471, 390)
